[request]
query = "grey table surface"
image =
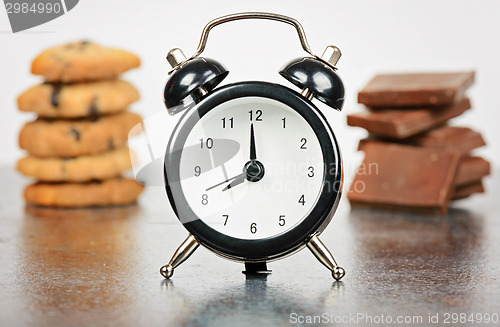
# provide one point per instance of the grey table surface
(100, 267)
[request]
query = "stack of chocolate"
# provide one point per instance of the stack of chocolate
(413, 159)
(77, 146)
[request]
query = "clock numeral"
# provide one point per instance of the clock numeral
(253, 228)
(301, 200)
(204, 199)
(230, 122)
(304, 142)
(209, 143)
(197, 171)
(281, 221)
(284, 122)
(225, 221)
(311, 171)
(258, 115)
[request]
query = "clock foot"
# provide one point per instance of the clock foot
(256, 268)
(184, 251)
(322, 253)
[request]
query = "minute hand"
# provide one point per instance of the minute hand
(237, 181)
(227, 180)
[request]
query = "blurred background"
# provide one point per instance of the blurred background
(374, 36)
(100, 267)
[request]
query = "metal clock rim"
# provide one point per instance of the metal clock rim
(268, 248)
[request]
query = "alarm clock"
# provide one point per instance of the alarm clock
(253, 170)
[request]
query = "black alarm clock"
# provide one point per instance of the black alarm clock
(253, 170)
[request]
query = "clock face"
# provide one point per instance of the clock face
(287, 165)
(253, 170)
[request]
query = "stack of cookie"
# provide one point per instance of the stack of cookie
(413, 159)
(77, 146)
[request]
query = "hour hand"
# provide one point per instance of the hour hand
(237, 181)
(253, 152)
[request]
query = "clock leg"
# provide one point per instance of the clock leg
(322, 253)
(184, 251)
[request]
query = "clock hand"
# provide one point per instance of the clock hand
(247, 174)
(253, 154)
(237, 181)
(253, 172)
(227, 180)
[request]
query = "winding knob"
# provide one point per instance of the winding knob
(175, 57)
(331, 55)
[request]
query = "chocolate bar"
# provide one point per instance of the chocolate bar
(419, 89)
(461, 139)
(396, 176)
(471, 170)
(465, 191)
(404, 123)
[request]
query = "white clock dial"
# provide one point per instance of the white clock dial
(289, 172)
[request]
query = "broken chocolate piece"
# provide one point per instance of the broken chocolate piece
(465, 191)
(396, 176)
(461, 139)
(404, 123)
(418, 89)
(471, 170)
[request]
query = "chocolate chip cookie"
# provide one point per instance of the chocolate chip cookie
(82, 61)
(71, 138)
(116, 191)
(80, 169)
(78, 100)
